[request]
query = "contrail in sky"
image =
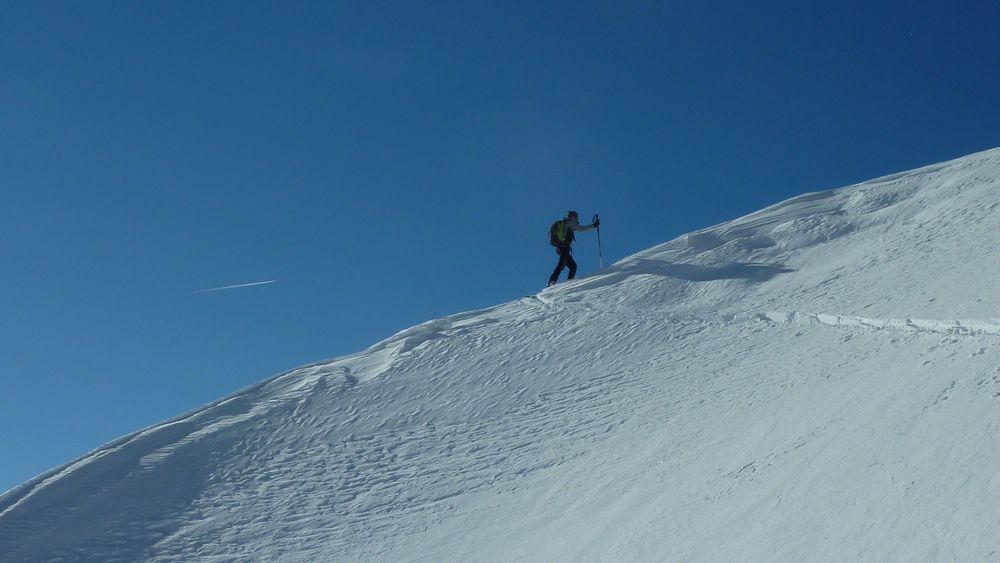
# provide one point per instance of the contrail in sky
(233, 286)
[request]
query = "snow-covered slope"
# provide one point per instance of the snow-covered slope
(819, 380)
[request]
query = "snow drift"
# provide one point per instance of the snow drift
(819, 380)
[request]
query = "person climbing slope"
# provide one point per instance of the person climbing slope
(562, 233)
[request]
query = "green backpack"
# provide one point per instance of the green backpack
(557, 233)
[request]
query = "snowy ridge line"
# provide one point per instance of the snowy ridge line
(241, 405)
(193, 423)
(950, 327)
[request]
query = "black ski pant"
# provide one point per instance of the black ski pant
(565, 259)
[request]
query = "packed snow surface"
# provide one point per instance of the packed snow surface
(819, 380)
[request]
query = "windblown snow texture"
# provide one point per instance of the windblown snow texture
(819, 380)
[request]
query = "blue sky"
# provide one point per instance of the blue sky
(392, 162)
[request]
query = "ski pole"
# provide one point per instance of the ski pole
(600, 252)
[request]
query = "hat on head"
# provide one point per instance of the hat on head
(573, 214)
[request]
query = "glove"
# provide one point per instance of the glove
(597, 222)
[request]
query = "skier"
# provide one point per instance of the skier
(561, 235)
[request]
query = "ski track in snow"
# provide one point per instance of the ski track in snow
(967, 327)
(949, 327)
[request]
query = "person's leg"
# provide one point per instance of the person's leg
(571, 263)
(559, 267)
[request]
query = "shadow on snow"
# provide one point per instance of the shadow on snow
(755, 272)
